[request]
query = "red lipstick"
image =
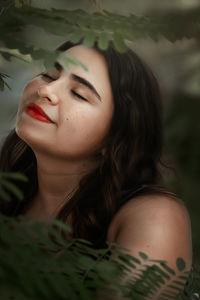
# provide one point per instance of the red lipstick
(36, 112)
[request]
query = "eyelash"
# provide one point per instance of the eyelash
(78, 95)
(46, 75)
(73, 92)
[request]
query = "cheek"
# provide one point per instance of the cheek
(85, 131)
(25, 126)
(29, 94)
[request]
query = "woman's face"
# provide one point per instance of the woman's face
(79, 103)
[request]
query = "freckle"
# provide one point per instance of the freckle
(67, 119)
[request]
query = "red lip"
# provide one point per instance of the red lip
(38, 110)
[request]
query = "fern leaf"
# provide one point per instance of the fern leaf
(12, 188)
(14, 175)
(5, 196)
(180, 264)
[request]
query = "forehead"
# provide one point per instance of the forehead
(89, 56)
(97, 72)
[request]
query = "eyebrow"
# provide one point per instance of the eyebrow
(79, 79)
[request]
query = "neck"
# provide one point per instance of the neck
(57, 182)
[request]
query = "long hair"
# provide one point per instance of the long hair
(131, 163)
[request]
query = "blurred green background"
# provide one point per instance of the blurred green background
(177, 67)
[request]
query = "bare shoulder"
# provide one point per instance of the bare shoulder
(156, 223)
(149, 206)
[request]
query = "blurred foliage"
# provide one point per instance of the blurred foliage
(102, 26)
(183, 128)
(7, 185)
(36, 262)
(2, 81)
(182, 135)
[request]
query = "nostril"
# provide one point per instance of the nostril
(45, 93)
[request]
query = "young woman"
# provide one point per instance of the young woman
(90, 143)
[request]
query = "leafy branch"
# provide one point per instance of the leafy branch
(100, 26)
(38, 262)
(41, 264)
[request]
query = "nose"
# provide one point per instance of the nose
(48, 91)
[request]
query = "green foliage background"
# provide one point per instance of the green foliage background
(34, 265)
(181, 130)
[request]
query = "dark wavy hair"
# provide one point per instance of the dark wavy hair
(131, 163)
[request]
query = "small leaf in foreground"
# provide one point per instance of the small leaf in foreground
(66, 60)
(180, 264)
(119, 43)
(103, 41)
(168, 269)
(13, 188)
(15, 175)
(143, 255)
(4, 195)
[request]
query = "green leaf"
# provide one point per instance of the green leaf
(82, 19)
(143, 255)
(1, 83)
(167, 268)
(119, 43)
(4, 195)
(168, 295)
(90, 37)
(180, 263)
(86, 242)
(61, 225)
(103, 40)
(175, 287)
(76, 35)
(38, 53)
(5, 83)
(15, 175)
(179, 282)
(50, 59)
(66, 60)
(157, 270)
(12, 188)
(13, 53)
(183, 277)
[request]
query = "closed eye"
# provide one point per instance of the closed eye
(73, 92)
(48, 76)
(78, 95)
